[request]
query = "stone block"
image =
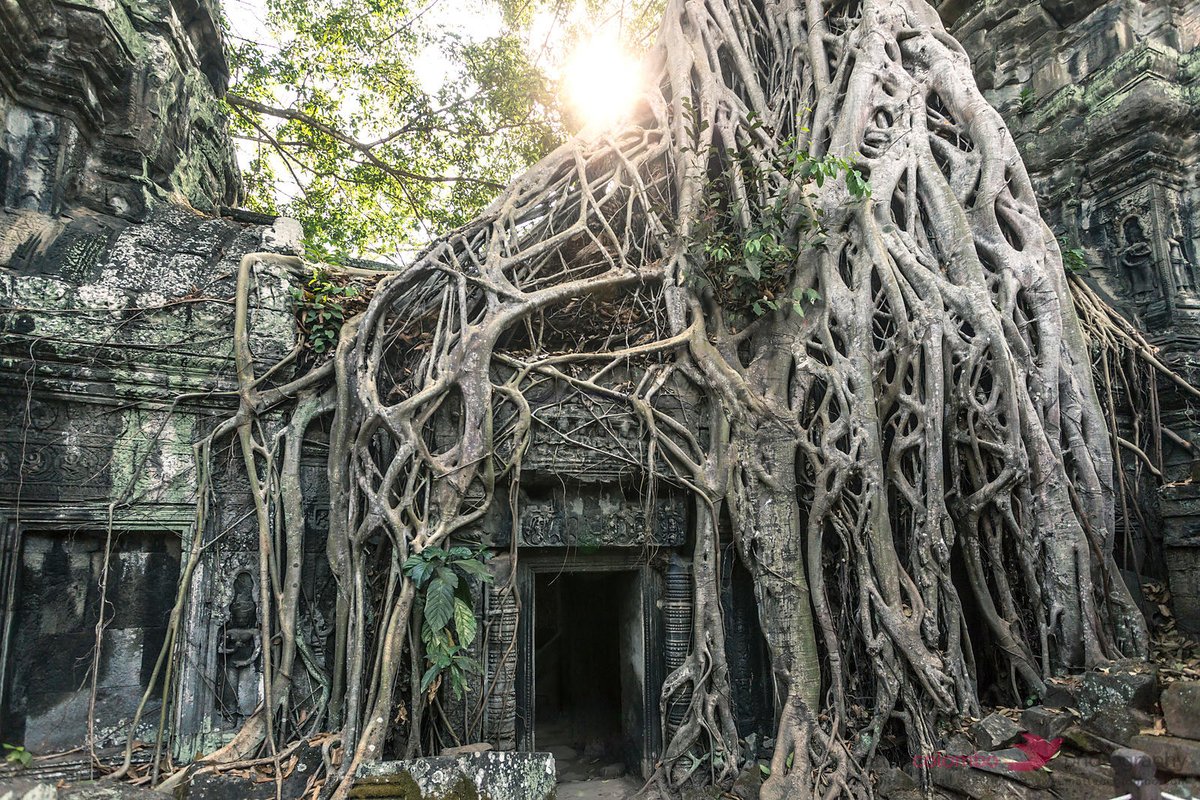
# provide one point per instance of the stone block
(1118, 724)
(477, 747)
(1132, 684)
(748, 782)
(476, 776)
(1048, 723)
(1183, 573)
(24, 790)
(981, 785)
(995, 731)
(1078, 777)
(1170, 753)
(1181, 709)
(1061, 693)
(893, 782)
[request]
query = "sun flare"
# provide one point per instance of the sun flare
(601, 82)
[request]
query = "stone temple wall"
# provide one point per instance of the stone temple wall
(116, 274)
(117, 265)
(1103, 98)
(109, 105)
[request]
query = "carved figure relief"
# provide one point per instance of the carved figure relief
(1183, 270)
(238, 652)
(1137, 262)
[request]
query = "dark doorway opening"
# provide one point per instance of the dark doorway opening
(56, 606)
(587, 671)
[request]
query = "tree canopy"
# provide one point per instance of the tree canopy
(377, 124)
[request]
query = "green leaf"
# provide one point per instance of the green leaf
(428, 678)
(464, 622)
(417, 568)
(447, 575)
(439, 604)
(473, 568)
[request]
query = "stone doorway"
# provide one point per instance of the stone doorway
(587, 664)
(588, 683)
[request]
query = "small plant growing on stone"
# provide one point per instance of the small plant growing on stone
(1026, 100)
(1074, 260)
(321, 308)
(16, 754)
(449, 626)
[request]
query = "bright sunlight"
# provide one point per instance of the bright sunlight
(601, 82)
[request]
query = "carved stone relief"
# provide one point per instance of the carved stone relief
(599, 518)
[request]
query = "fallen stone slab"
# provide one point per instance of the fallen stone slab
(980, 785)
(1125, 684)
(1171, 753)
(27, 790)
(84, 790)
(1118, 724)
(490, 775)
(995, 731)
(1181, 709)
(1048, 723)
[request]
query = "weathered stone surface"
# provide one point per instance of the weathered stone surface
(1118, 724)
(478, 747)
(1048, 723)
(27, 790)
(995, 731)
(1181, 756)
(113, 106)
(105, 324)
(1076, 777)
(748, 783)
(1128, 685)
(1133, 772)
(1181, 709)
(1082, 739)
(479, 776)
(89, 790)
(893, 782)
(1061, 693)
(981, 785)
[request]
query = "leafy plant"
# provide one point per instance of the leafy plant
(16, 754)
(449, 626)
(1026, 100)
(749, 267)
(321, 308)
(1074, 260)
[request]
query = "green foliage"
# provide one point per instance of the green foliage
(321, 307)
(449, 626)
(356, 132)
(1074, 260)
(16, 754)
(747, 250)
(1026, 100)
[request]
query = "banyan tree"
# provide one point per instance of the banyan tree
(815, 230)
